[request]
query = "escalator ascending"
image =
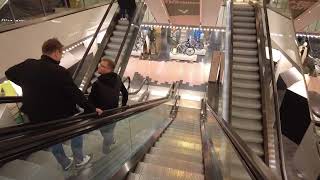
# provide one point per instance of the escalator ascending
(246, 114)
(178, 152)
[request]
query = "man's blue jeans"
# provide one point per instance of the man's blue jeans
(76, 147)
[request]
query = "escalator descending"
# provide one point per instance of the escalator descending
(246, 107)
(178, 152)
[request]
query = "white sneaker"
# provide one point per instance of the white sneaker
(85, 161)
(69, 165)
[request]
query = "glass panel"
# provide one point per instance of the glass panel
(54, 6)
(230, 164)
(26, 9)
(109, 147)
(5, 13)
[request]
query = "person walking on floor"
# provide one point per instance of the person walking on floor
(49, 93)
(105, 94)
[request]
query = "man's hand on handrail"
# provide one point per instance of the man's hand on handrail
(99, 111)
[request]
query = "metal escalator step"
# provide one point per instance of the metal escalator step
(247, 84)
(182, 131)
(257, 148)
(247, 25)
(243, 7)
(188, 129)
(245, 66)
(111, 52)
(245, 75)
(246, 113)
(121, 33)
(243, 13)
(151, 171)
(179, 144)
(250, 136)
(245, 52)
(245, 59)
(113, 45)
(175, 163)
(187, 123)
(183, 134)
(245, 38)
(185, 126)
(246, 93)
(244, 31)
(121, 27)
(118, 39)
(172, 138)
(247, 45)
(183, 154)
(109, 57)
(244, 19)
(246, 103)
(134, 176)
(196, 140)
(123, 22)
(246, 124)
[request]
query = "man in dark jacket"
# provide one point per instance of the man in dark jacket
(49, 93)
(105, 94)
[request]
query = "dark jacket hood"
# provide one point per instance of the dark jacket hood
(49, 59)
(110, 79)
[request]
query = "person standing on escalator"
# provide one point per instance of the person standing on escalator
(127, 8)
(105, 94)
(49, 93)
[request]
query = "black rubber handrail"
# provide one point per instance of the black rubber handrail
(257, 167)
(17, 147)
(146, 82)
(92, 41)
(129, 82)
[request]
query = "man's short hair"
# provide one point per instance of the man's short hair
(110, 63)
(51, 45)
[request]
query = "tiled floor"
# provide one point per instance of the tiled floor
(161, 71)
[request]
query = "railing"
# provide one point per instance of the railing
(80, 64)
(21, 140)
(145, 82)
(40, 11)
(254, 165)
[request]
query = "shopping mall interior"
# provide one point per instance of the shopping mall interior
(218, 89)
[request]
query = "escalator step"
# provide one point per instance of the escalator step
(243, 74)
(246, 103)
(179, 145)
(245, 66)
(190, 156)
(246, 25)
(193, 136)
(247, 84)
(181, 137)
(243, 7)
(123, 22)
(174, 163)
(245, 52)
(250, 136)
(241, 44)
(244, 19)
(177, 141)
(150, 170)
(245, 38)
(121, 27)
(246, 124)
(187, 129)
(183, 131)
(246, 113)
(245, 59)
(121, 34)
(243, 13)
(257, 148)
(246, 93)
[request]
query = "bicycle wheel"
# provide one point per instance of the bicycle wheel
(190, 51)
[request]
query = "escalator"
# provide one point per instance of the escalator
(246, 109)
(178, 152)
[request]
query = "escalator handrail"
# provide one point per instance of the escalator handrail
(131, 24)
(274, 89)
(15, 148)
(10, 131)
(146, 82)
(129, 82)
(257, 167)
(76, 72)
